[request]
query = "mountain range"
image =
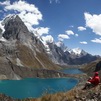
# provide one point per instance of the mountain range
(60, 54)
(22, 50)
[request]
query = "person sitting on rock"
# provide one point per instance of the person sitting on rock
(92, 82)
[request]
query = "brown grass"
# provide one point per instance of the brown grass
(71, 95)
(28, 58)
(47, 63)
(56, 97)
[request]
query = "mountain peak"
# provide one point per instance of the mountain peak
(61, 45)
(79, 51)
(14, 28)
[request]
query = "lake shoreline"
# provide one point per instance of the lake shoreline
(37, 85)
(78, 77)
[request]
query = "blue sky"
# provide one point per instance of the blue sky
(75, 22)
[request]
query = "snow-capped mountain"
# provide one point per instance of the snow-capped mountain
(57, 52)
(5, 21)
(76, 51)
(63, 47)
(79, 52)
(61, 44)
(61, 54)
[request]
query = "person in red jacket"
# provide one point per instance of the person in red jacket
(95, 80)
(92, 82)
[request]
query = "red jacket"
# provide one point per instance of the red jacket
(95, 80)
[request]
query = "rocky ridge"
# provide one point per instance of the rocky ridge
(60, 54)
(20, 49)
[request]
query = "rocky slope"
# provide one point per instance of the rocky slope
(89, 68)
(21, 49)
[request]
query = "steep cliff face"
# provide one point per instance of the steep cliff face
(15, 29)
(57, 55)
(20, 48)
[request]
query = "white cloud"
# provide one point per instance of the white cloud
(63, 36)
(71, 26)
(48, 38)
(81, 28)
(31, 18)
(93, 22)
(22, 6)
(6, 2)
(69, 32)
(41, 30)
(57, 1)
(29, 13)
(76, 35)
(83, 42)
(96, 40)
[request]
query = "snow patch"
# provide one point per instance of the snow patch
(18, 62)
(2, 27)
(7, 18)
(62, 46)
(3, 39)
(79, 51)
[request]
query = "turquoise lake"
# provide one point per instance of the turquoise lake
(71, 71)
(35, 87)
